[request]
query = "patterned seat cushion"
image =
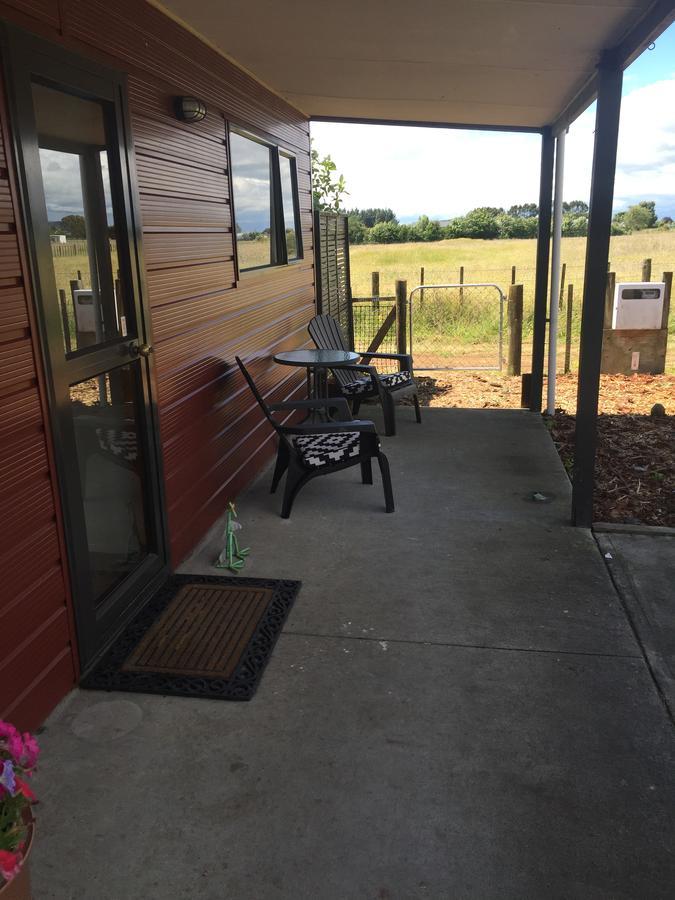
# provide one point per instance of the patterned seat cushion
(328, 449)
(365, 385)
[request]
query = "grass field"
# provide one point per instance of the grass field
(473, 326)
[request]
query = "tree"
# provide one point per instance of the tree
(640, 216)
(384, 233)
(373, 215)
(74, 227)
(517, 226)
(576, 207)
(574, 225)
(524, 211)
(426, 230)
(357, 230)
(327, 190)
(482, 222)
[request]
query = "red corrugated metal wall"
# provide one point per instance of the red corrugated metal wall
(37, 662)
(213, 438)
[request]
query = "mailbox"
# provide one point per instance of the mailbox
(85, 311)
(638, 305)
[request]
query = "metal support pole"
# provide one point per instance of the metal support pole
(541, 278)
(555, 273)
(595, 279)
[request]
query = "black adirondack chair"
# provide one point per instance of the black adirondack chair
(363, 381)
(311, 449)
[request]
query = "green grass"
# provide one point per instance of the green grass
(492, 261)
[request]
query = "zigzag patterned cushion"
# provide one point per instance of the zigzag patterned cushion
(365, 385)
(122, 444)
(328, 449)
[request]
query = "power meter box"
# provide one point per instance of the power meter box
(638, 305)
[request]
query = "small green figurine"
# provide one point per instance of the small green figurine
(231, 557)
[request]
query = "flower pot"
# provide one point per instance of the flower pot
(19, 887)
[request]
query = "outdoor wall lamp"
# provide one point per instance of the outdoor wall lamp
(189, 109)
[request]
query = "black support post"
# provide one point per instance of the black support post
(541, 277)
(593, 313)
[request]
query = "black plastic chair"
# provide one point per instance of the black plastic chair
(310, 449)
(362, 381)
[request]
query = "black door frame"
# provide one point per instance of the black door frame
(26, 57)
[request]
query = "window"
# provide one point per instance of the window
(265, 192)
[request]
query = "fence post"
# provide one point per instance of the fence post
(375, 289)
(461, 281)
(515, 323)
(568, 328)
(401, 309)
(513, 274)
(609, 298)
(561, 297)
(667, 277)
(421, 282)
(646, 270)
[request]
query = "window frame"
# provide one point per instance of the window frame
(278, 247)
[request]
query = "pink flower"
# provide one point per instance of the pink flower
(10, 864)
(12, 739)
(31, 751)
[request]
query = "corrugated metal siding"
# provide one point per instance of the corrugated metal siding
(213, 438)
(36, 659)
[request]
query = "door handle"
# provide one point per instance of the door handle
(134, 349)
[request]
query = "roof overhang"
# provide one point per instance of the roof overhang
(497, 64)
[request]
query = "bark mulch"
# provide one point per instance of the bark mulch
(635, 467)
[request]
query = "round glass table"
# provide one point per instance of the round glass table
(317, 362)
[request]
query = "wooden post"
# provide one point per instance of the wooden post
(401, 317)
(421, 282)
(515, 323)
(568, 328)
(561, 297)
(64, 319)
(461, 281)
(513, 274)
(375, 289)
(646, 270)
(667, 277)
(609, 298)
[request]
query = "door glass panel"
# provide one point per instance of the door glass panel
(109, 459)
(74, 161)
(288, 201)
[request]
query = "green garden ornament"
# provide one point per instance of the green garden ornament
(231, 556)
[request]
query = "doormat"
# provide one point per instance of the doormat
(199, 636)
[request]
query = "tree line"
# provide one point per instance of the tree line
(380, 225)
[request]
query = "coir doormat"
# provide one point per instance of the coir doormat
(199, 636)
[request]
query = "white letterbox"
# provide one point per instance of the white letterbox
(85, 311)
(638, 305)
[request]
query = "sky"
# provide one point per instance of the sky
(444, 173)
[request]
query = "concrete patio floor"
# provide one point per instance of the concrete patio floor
(457, 708)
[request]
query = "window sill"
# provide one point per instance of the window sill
(266, 273)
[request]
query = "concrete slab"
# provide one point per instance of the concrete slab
(643, 569)
(369, 771)
(457, 708)
(467, 558)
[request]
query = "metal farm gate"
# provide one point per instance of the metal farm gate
(457, 326)
(331, 249)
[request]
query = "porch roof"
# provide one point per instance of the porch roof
(522, 64)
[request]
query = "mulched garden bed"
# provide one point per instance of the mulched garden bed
(635, 466)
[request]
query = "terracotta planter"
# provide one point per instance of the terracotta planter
(19, 888)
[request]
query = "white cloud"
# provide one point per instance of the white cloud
(444, 173)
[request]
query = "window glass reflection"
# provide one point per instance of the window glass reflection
(252, 189)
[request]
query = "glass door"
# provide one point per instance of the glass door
(70, 126)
